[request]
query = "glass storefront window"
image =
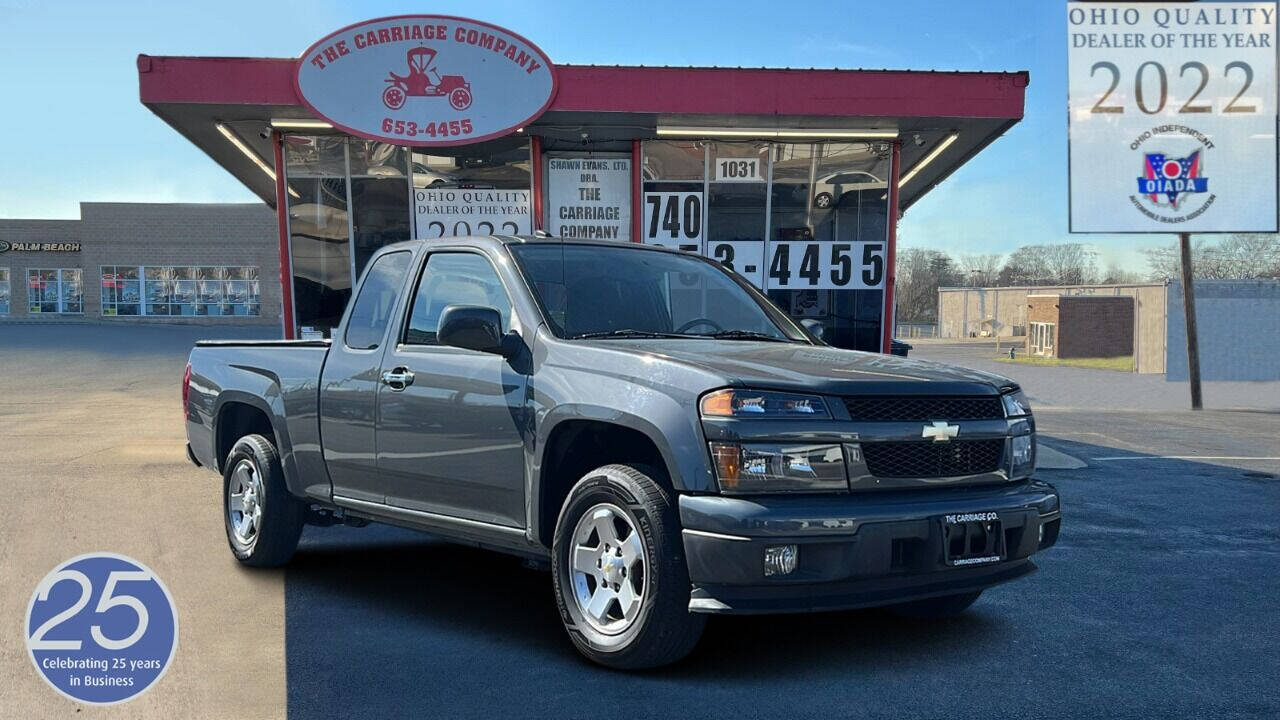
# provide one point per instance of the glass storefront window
(121, 290)
(674, 208)
(473, 189)
(180, 291)
(379, 197)
(736, 207)
(319, 229)
(54, 291)
(209, 290)
(242, 293)
(157, 290)
(829, 206)
(4, 291)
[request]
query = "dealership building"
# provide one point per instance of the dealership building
(431, 126)
(143, 262)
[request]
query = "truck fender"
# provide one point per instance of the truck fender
(275, 414)
(687, 460)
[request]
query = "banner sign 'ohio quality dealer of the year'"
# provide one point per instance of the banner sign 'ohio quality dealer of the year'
(425, 80)
(1172, 117)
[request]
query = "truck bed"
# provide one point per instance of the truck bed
(280, 378)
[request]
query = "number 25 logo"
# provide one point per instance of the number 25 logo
(101, 628)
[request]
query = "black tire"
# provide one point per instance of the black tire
(822, 200)
(663, 631)
(937, 607)
(283, 515)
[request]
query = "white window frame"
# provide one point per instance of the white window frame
(62, 301)
(143, 303)
(1042, 340)
(7, 283)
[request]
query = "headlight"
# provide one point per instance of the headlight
(760, 404)
(770, 468)
(1016, 404)
(1022, 448)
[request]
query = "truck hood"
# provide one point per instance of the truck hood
(815, 368)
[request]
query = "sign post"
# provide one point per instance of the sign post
(1189, 311)
(1172, 124)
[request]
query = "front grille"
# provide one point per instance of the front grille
(895, 409)
(933, 459)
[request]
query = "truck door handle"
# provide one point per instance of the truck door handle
(398, 379)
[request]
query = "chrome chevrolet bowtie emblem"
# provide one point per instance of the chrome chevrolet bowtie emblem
(940, 431)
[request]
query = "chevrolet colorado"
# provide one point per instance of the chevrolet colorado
(642, 420)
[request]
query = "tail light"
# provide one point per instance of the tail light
(186, 389)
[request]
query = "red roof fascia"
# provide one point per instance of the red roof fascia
(594, 88)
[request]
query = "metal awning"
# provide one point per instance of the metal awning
(225, 107)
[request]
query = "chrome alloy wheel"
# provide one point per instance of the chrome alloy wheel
(609, 578)
(244, 502)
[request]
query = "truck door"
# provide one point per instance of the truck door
(450, 420)
(350, 380)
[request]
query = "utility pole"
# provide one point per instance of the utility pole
(1189, 310)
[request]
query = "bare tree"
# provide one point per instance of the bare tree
(920, 273)
(1239, 256)
(1056, 264)
(1071, 264)
(981, 270)
(1116, 275)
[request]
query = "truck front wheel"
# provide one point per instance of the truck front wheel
(621, 582)
(262, 519)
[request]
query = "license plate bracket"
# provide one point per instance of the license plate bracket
(975, 538)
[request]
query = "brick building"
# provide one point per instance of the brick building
(1001, 312)
(143, 262)
(1080, 326)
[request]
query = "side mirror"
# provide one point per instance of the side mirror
(815, 327)
(472, 327)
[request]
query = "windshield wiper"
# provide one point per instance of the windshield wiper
(629, 333)
(743, 335)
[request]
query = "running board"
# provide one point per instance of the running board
(489, 535)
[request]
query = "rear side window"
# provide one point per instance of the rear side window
(454, 278)
(377, 298)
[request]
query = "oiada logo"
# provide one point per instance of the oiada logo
(426, 80)
(1173, 187)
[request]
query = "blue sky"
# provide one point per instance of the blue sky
(76, 131)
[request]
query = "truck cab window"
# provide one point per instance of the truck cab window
(377, 298)
(454, 278)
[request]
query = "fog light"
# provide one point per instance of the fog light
(781, 559)
(1041, 533)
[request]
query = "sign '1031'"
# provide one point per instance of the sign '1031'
(425, 80)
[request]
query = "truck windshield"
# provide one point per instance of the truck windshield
(593, 291)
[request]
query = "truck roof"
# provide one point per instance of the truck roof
(491, 240)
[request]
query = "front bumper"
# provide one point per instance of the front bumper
(855, 550)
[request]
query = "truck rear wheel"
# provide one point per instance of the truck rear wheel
(618, 566)
(263, 521)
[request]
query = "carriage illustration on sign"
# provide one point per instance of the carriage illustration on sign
(424, 80)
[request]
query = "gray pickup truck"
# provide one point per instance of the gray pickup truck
(643, 421)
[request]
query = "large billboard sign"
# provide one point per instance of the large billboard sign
(1172, 117)
(425, 80)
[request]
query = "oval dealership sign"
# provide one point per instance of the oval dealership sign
(425, 80)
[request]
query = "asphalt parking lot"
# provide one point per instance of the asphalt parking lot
(1159, 599)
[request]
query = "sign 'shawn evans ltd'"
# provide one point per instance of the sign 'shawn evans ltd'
(425, 80)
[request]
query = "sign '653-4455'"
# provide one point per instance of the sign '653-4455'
(425, 80)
